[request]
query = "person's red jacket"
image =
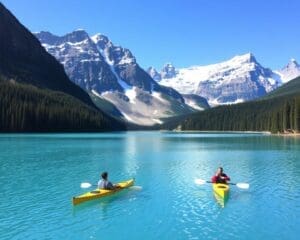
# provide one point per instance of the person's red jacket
(223, 178)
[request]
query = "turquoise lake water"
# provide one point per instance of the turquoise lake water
(39, 174)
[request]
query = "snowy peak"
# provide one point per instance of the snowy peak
(292, 64)
(244, 62)
(115, 55)
(168, 71)
(101, 40)
(290, 71)
(238, 79)
(245, 58)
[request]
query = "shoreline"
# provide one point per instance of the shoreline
(217, 131)
(286, 134)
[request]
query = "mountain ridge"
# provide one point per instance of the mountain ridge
(241, 78)
(112, 73)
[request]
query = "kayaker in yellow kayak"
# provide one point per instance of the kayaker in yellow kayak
(220, 177)
(105, 184)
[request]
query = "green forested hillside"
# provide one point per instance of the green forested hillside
(277, 112)
(25, 108)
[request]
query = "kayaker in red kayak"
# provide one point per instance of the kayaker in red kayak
(105, 184)
(220, 177)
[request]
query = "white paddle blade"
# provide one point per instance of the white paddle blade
(200, 181)
(243, 185)
(85, 185)
(138, 188)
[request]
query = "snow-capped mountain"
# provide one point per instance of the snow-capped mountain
(111, 73)
(239, 79)
(290, 71)
(81, 59)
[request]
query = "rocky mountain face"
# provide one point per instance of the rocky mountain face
(239, 79)
(124, 66)
(168, 71)
(81, 59)
(111, 73)
(154, 74)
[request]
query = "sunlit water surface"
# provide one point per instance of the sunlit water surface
(39, 174)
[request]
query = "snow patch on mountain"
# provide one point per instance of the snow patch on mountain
(194, 105)
(196, 102)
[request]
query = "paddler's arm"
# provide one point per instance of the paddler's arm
(214, 179)
(110, 186)
(225, 177)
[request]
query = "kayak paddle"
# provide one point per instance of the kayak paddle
(239, 185)
(86, 185)
(138, 188)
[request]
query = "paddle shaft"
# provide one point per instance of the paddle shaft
(224, 183)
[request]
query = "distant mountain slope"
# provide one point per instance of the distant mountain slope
(32, 81)
(196, 101)
(291, 88)
(239, 79)
(277, 112)
(111, 74)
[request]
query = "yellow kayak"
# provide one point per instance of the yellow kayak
(99, 193)
(221, 189)
(221, 201)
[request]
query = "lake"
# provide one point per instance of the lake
(40, 173)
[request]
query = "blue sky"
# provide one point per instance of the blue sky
(184, 32)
